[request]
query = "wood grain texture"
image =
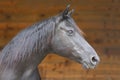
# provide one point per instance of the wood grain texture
(99, 19)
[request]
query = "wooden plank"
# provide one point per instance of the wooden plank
(90, 16)
(41, 5)
(77, 70)
(21, 18)
(84, 25)
(15, 25)
(54, 66)
(97, 25)
(79, 75)
(60, 2)
(102, 34)
(17, 12)
(24, 10)
(7, 3)
(103, 37)
(34, 16)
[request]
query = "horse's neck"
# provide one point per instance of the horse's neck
(30, 45)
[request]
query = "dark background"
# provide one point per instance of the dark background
(99, 19)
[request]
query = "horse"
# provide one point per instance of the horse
(58, 34)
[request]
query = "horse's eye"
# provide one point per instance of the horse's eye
(70, 32)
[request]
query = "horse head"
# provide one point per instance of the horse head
(68, 41)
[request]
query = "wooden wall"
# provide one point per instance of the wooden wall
(99, 19)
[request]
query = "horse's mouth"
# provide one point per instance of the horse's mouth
(88, 65)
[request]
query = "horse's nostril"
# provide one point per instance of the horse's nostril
(94, 60)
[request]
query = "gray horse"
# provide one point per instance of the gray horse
(59, 34)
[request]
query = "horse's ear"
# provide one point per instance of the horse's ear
(71, 12)
(66, 11)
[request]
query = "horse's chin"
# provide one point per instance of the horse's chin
(88, 66)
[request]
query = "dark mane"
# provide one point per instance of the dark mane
(27, 42)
